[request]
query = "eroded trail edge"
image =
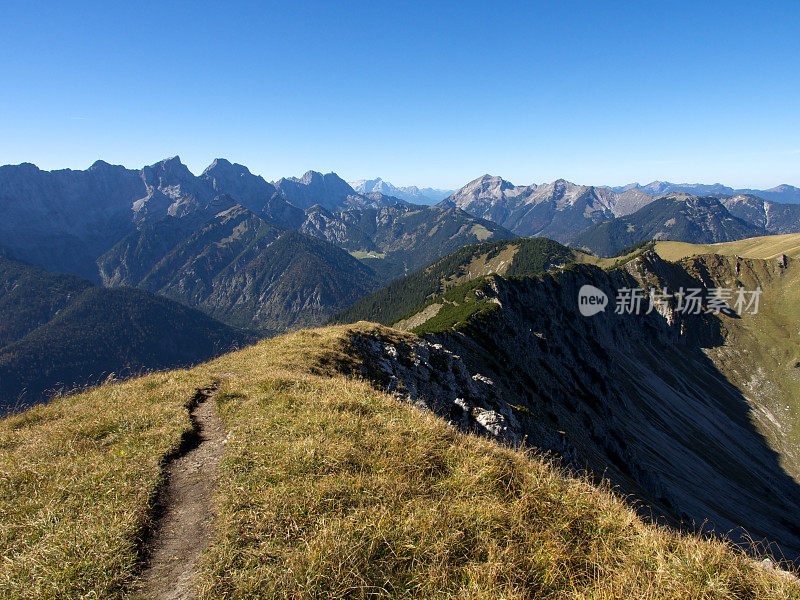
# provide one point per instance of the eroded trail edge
(184, 516)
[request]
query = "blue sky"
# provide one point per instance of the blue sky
(417, 93)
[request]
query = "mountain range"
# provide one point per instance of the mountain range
(775, 217)
(261, 255)
(605, 220)
(395, 240)
(240, 269)
(677, 217)
(329, 191)
(410, 193)
(558, 210)
(784, 193)
(271, 256)
(690, 417)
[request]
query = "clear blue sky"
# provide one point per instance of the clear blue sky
(417, 93)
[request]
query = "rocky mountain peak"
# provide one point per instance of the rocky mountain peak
(218, 164)
(329, 190)
(173, 162)
(329, 182)
(225, 169)
(167, 172)
(311, 177)
(485, 183)
(100, 165)
(562, 187)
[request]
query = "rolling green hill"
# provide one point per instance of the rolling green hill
(521, 256)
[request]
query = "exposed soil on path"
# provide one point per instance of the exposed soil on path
(184, 518)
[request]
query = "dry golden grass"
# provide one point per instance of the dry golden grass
(76, 480)
(767, 246)
(331, 489)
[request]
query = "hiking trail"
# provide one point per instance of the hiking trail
(184, 518)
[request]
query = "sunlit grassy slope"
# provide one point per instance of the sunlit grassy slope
(770, 246)
(330, 489)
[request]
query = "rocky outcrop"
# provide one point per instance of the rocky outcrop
(431, 377)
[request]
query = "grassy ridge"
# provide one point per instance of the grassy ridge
(329, 489)
(332, 489)
(461, 307)
(405, 296)
(768, 246)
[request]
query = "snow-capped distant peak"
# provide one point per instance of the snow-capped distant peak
(411, 193)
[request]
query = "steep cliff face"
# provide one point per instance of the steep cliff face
(62, 220)
(648, 401)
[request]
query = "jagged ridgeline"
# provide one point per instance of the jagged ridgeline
(253, 254)
(522, 256)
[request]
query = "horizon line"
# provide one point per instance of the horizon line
(439, 188)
